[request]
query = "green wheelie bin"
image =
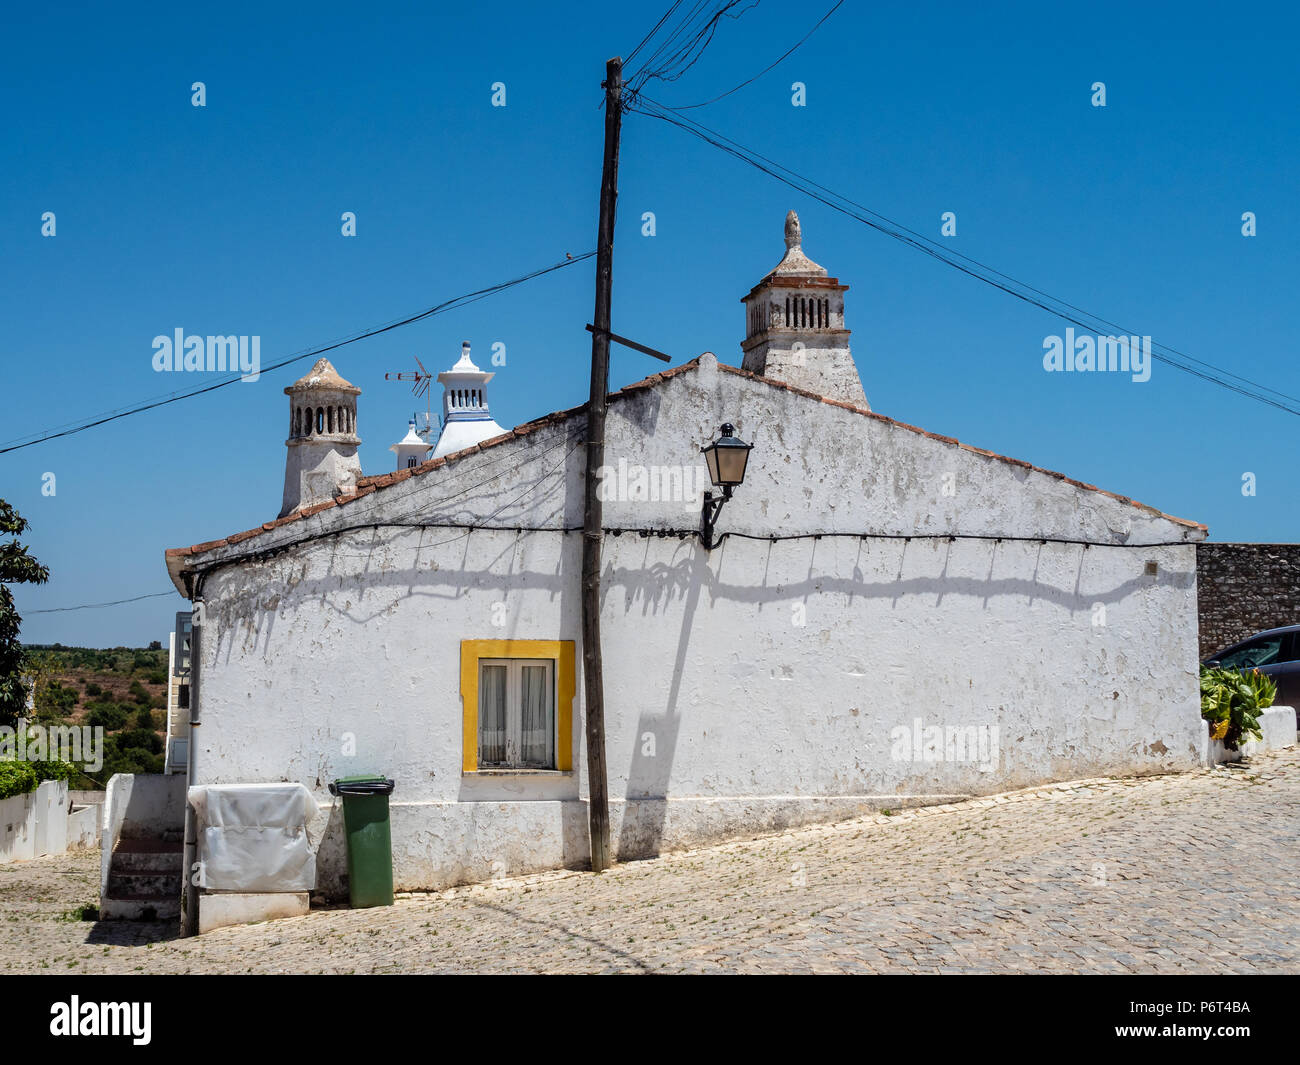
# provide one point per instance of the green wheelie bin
(370, 843)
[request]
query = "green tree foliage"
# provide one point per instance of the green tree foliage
(16, 567)
(107, 716)
(16, 778)
(126, 759)
(144, 739)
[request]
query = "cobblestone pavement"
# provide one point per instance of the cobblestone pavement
(1198, 872)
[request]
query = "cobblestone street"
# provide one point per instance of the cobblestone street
(1198, 872)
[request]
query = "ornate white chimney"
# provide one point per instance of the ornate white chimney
(466, 419)
(794, 326)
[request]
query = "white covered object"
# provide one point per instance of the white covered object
(253, 837)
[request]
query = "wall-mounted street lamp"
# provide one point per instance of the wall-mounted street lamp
(726, 458)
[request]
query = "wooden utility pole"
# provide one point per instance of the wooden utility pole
(597, 779)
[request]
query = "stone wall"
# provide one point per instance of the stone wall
(1243, 588)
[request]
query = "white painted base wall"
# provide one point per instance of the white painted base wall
(224, 909)
(1278, 725)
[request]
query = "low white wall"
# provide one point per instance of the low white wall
(1278, 725)
(35, 824)
(17, 837)
(51, 827)
(84, 827)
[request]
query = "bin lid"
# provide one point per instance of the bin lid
(367, 784)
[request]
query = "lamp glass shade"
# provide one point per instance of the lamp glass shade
(727, 458)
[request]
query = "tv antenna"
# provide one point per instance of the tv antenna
(420, 387)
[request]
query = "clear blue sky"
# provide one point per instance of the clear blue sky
(225, 219)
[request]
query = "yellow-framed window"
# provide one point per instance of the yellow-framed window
(508, 687)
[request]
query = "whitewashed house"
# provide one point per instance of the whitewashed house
(890, 617)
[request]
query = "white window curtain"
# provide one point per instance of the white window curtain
(537, 725)
(492, 715)
(516, 713)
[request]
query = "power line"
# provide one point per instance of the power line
(663, 18)
(770, 66)
(446, 305)
(980, 271)
(350, 528)
(682, 48)
(96, 606)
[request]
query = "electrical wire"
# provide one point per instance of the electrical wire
(663, 18)
(770, 66)
(684, 46)
(446, 305)
(644, 533)
(980, 271)
(466, 528)
(360, 525)
(97, 606)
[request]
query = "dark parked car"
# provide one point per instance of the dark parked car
(1275, 653)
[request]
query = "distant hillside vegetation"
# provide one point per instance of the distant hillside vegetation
(122, 689)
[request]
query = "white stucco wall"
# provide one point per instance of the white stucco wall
(770, 675)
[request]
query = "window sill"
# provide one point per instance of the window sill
(517, 773)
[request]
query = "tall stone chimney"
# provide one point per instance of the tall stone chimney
(794, 326)
(322, 447)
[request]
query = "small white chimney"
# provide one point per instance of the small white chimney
(411, 449)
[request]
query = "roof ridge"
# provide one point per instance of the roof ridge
(366, 485)
(954, 441)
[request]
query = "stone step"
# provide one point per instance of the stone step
(143, 909)
(143, 885)
(147, 856)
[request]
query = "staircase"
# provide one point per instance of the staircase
(144, 879)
